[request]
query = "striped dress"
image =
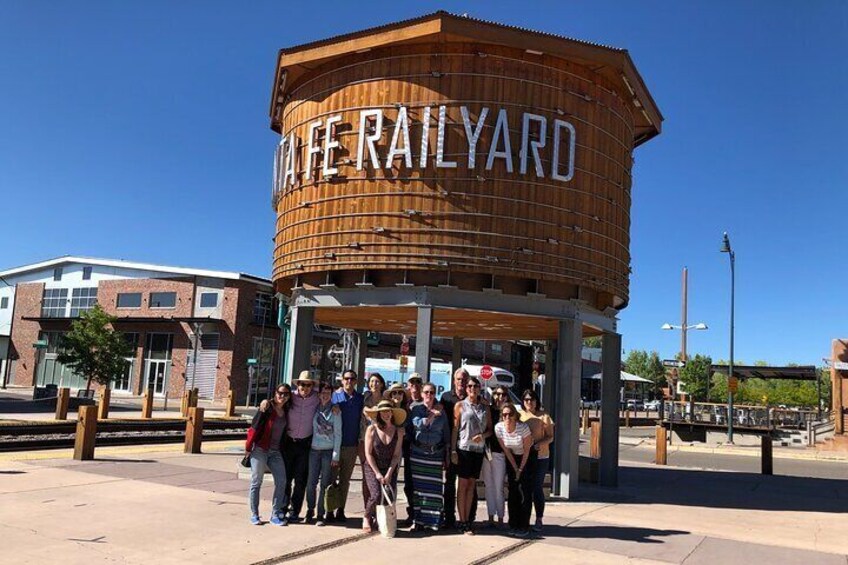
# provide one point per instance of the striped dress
(427, 457)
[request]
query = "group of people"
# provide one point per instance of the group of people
(311, 438)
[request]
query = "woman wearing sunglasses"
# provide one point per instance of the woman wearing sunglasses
(542, 431)
(472, 425)
(517, 444)
(264, 445)
(494, 468)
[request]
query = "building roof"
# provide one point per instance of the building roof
(800, 373)
(122, 264)
(625, 377)
(612, 62)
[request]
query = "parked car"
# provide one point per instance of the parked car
(592, 404)
(634, 404)
(652, 406)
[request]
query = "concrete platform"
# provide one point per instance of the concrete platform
(155, 504)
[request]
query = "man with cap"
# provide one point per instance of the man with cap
(413, 390)
(298, 441)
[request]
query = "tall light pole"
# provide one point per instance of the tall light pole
(684, 316)
(725, 248)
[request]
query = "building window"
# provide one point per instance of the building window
(82, 299)
(54, 302)
(57, 274)
(263, 308)
(86, 273)
(129, 300)
(208, 299)
(497, 348)
(4, 303)
(163, 299)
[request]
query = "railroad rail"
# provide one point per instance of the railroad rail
(26, 436)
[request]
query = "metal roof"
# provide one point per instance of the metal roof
(431, 15)
(800, 373)
(122, 264)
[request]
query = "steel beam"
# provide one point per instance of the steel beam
(567, 405)
(459, 299)
(300, 341)
(423, 342)
(610, 404)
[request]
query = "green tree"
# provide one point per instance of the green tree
(594, 342)
(695, 374)
(93, 349)
(646, 365)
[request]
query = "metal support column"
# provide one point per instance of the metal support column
(423, 342)
(550, 373)
(610, 404)
(456, 356)
(300, 342)
(566, 406)
(361, 356)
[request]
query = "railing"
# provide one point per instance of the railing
(746, 416)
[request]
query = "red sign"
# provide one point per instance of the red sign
(486, 372)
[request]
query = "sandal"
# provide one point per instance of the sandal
(366, 526)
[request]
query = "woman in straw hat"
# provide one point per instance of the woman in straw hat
(383, 443)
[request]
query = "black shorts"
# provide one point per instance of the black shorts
(469, 464)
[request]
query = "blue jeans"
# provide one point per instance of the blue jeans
(320, 465)
(273, 459)
(538, 487)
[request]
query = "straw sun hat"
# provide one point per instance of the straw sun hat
(305, 377)
(398, 414)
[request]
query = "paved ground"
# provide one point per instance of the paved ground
(142, 505)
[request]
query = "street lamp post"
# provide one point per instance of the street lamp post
(725, 248)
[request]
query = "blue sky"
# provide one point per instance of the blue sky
(140, 131)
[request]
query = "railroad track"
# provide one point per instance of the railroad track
(56, 435)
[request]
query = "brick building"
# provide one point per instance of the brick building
(160, 310)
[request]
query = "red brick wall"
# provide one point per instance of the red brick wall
(25, 333)
(107, 296)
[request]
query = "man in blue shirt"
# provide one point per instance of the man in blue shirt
(350, 403)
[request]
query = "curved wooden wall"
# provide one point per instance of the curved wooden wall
(470, 228)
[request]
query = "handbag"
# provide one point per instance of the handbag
(332, 497)
(245, 461)
(387, 513)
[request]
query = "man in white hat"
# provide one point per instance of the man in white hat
(298, 442)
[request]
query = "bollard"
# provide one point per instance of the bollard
(184, 404)
(195, 393)
(62, 401)
(585, 424)
(595, 441)
(766, 455)
(662, 446)
(231, 405)
(86, 432)
(194, 430)
(103, 407)
(147, 405)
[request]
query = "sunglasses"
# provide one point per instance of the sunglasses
(349, 378)
(529, 399)
(428, 392)
(472, 386)
(397, 393)
(283, 393)
(508, 414)
(305, 385)
(498, 394)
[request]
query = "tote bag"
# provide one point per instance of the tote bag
(387, 513)
(332, 497)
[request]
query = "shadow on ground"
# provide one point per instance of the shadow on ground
(717, 489)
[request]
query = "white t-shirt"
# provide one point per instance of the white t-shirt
(513, 441)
